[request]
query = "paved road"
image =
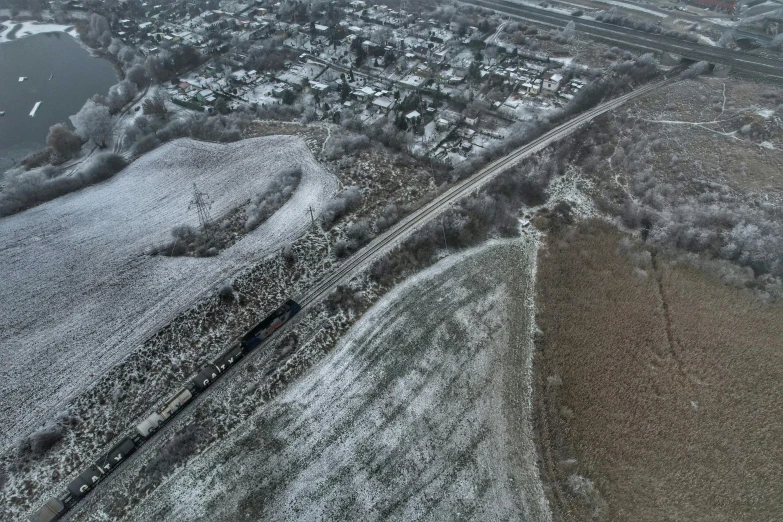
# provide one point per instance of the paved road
(616, 35)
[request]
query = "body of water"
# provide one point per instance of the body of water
(75, 76)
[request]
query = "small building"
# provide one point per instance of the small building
(319, 87)
(363, 93)
(442, 124)
(203, 95)
(321, 28)
(552, 82)
(413, 117)
(384, 103)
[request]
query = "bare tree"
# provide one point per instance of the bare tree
(156, 107)
(97, 28)
(62, 141)
(121, 94)
(567, 34)
(138, 75)
(93, 122)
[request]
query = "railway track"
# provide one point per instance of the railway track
(614, 35)
(387, 241)
(396, 234)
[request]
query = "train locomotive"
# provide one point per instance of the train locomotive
(88, 479)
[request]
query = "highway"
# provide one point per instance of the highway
(621, 36)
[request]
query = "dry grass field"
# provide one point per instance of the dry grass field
(721, 130)
(658, 387)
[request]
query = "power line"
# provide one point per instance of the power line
(202, 203)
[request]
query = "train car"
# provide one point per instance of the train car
(48, 512)
(205, 377)
(271, 323)
(117, 454)
(229, 358)
(149, 425)
(82, 484)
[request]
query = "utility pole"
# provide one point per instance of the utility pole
(202, 204)
(312, 216)
(444, 234)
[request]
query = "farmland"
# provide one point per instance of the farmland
(658, 385)
(421, 411)
(84, 256)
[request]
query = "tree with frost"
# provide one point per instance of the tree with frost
(726, 40)
(567, 34)
(155, 107)
(121, 94)
(63, 141)
(138, 75)
(93, 122)
(96, 30)
(694, 70)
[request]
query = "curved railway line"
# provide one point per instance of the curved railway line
(58, 507)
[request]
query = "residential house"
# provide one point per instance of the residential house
(552, 82)
(363, 94)
(384, 103)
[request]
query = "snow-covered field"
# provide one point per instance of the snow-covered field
(78, 292)
(31, 28)
(422, 412)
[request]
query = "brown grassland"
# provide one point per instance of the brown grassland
(658, 388)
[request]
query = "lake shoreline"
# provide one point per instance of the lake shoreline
(60, 76)
(70, 30)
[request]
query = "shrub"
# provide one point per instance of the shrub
(697, 69)
(179, 449)
(27, 189)
(102, 167)
(226, 293)
(262, 206)
(345, 143)
(40, 442)
(389, 216)
(347, 201)
(37, 159)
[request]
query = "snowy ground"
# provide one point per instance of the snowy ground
(31, 28)
(79, 293)
(421, 413)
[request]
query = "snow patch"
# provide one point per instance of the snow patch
(31, 28)
(79, 293)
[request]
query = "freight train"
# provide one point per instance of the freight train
(87, 480)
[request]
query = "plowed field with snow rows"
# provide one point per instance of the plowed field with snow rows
(78, 292)
(423, 412)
